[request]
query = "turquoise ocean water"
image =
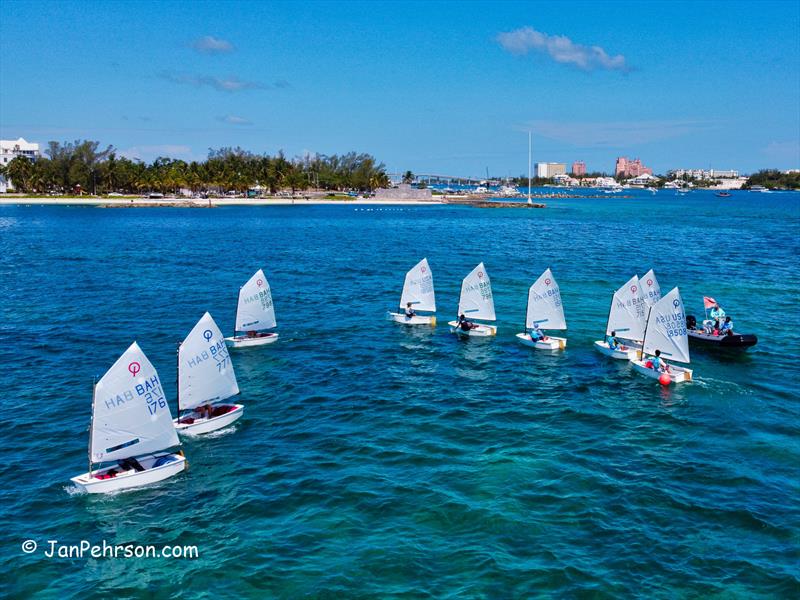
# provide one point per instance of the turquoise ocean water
(377, 461)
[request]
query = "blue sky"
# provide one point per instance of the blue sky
(446, 88)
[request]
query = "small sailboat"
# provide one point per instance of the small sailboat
(131, 429)
(205, 381)
(255, 313)
(418, 292)
(626, 319)
(665, 333)
(476, 302)
(651, 290)
(546, 311)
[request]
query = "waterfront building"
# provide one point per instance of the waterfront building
(548, 170)
(564, 179)
(704, 174)
(626, 167)
(578, 168)
(11, 149)
(643, 179)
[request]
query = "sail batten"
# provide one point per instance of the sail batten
(131, 414)
(255, 310)
(418, 288)
(205, 371)
(651, 290)
(628, 315)
(544, 304)
(476, 299)
(666, 328)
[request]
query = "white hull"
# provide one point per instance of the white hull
(480, 331)
(89, 483)
(621, 353)
(242, 341)
(415, 320)
(676, 374)
(551, 343)
(203, 425)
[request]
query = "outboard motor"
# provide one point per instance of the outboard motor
(691, 322)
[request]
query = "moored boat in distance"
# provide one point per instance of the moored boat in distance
(665, 338)
(131, 427)
(546, 311)
(205, 381)
(476, 302)
(626, 322)
(723, 195)
(255, 313)
(418, 294)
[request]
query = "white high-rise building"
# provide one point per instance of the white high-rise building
(548, 170)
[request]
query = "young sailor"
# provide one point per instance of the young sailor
(409, 311)
(536, 334)
(658, 363)
(464, 324)
(611, 340)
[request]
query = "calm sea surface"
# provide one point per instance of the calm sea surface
(377, 461)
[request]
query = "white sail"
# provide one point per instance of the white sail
(131, 416)
(418, 288)
(666, 328)
(476, 300)
(650, 288)
(205, 371)
(544, 304)
(628, 315)
(255, 310)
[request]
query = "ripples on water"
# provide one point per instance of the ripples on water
(379, 461)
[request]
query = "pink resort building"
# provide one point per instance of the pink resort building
(631, 168)
(578, 168)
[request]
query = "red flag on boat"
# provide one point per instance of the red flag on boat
(709, 302)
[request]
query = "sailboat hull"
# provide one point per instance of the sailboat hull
(551, 343)
(620, 353)
(676, 374)
(172, 464)
(480, 331)
(199, 426)
(415, 320)
(242, 341)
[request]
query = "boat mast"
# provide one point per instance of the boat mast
(527, 305)
(178, 378)
(529, 168)
(91, 424)
(610, 308)
(646, 324)
(236, 314)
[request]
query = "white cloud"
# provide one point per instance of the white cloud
(615, 134)
(561, 49)
(235, 120)
(210, 45)
(222, 84)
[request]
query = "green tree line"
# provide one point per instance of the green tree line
(774, 179)
(83, 165)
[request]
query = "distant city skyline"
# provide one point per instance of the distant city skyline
(432, 87)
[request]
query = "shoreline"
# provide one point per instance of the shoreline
(210, 203)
